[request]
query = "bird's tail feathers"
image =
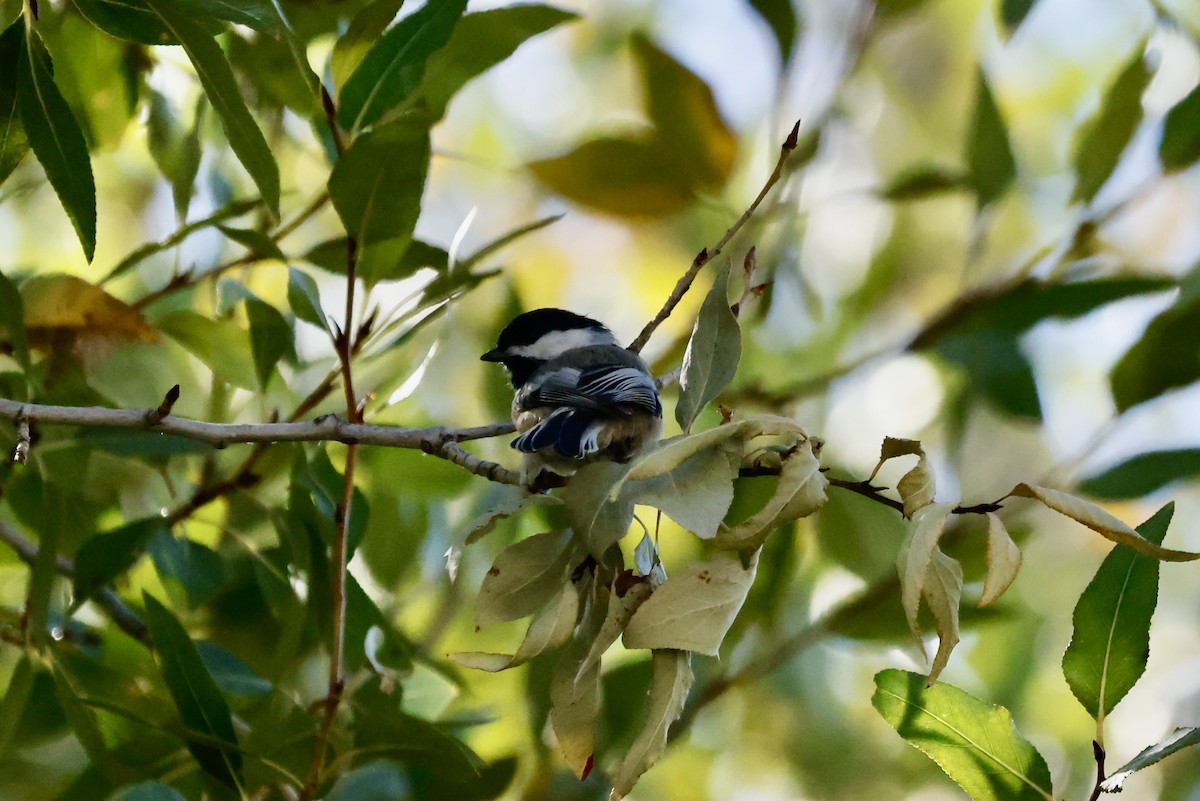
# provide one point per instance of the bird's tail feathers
(572, 433)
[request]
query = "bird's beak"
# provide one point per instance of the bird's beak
(493, 355)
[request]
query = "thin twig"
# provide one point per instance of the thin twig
(708, 254)
(1098, 753)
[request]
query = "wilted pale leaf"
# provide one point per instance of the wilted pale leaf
(524, 577)
(1003, 561)
(550, 629)
(916, 487)
(672, 452)
(912, 562)
(893, 447)
(1100, 521)
(799, 492)
(943, 592)
(974, 742)
(711, 359)
(697, 493)
(694, 608)
(514, 501)
(1183, 737)
(575, 695)
(599, 512)
(1110, 641)
(671, 679)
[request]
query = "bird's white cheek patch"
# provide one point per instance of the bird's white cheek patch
(556, 343)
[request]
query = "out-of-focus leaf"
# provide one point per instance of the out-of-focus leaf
(231, 674)
(305, 298)
(62, 308)
(176, 151)
(671, 680)
(1111, 639)
(1180, 145)
(146, 791)
(197, 569)
(1100, 521)
(12, 320)
(105, 556)
(799, 492)
(271, 338)
(886, 9)
(694, 608)
(221, 344)
(1003, 559)
(922, 182)
(43, 573)
(1183, 737)
(364, 30)
(479, 42)
(697, 494)
(990, 163)
(1168, 354)
(504, 241)
(1102, 139)
(524, 577)
(256, 14)
(1143, 474)
(780, 15)
(13, 142)
(258, 243)
(943, 592)
(1013, 13)
(549, 630)
(16, 695)
(395, 64)
(201, 706)
(56, 138)
(711, 359)
(378, 780)
(331, 256)
(974, 742)
(377, 186)
(216, 77)
(914, 558)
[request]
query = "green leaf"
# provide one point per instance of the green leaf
(1103, 138)
(43, 573)
(221, 344)
(271, 338)
(197, 569)
(105, 556)
(547, 631)
(697, 493)
(378, 780)
(56, 139)
(258, 243)
(232, 675)
(479, 42)
(220, 86)
(16, 695)
(394, 66)
(202, 708)
(1111, 639)
(922, 182)
(12, 321)
(943, 592)
(377, 186)
(364, 30)
(694, 608)
(1181, 738)
(1180, 145)
(1168, 354)
(780, 15)
(331, 256)
(974, 742)
(513, 501)
(133, 21)
(711, 359)
(575, 691)
(1013, 13)
(256, 14)
(524, 577)
(147, 791)
(13, 142)
(305, 298)
(596, 518)
(671, 680)
(1143, 474)
(990, 163)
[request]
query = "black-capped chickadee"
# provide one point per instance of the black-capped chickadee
(579, 396)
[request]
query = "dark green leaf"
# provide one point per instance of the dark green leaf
(197, 569)
(479, 42)
(1013, 13)
(271, 338)
(1181, 738)
(381, 727)
(16, 695)
(12, 320)
(231, 674)
(781, 16)
(1180, 146)
(105, 556)
(922, 182)
(990, 163)
(13, 143)
(1102, 139)
(131, 20)
(1143, 474)
(379, 780)
(1168, 354)
(43, 573)
(56, 139)
(886, 9)
(1111, 639)
(151, 445)
(256, 14)
(394, 66)
(974, 742)
(147, 791)
(258, 243)
(711, 359)
(216, 77)
(305, 298)
(998, 370)
(364, 30)
(201, 706)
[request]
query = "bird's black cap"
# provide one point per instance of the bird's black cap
(527, 328)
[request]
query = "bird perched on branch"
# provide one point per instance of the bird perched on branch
(579, 396)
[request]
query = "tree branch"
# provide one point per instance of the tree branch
(708, 254)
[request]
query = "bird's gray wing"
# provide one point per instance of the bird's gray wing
(613, 389)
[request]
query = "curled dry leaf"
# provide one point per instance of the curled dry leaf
(524, 577)
(671, 679)
(916, 487)
(549, 630)
(913, 560)
(66, 311)
(1003, 561)
(575, 693)
(943, 592)
(799, 493)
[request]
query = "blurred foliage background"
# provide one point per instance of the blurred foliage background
(985, 241)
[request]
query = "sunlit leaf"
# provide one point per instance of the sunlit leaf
(305, 298)
(1143, 474)
(201, 706)
(1100, 521)
(974, 742)
(915, 555)
(694, 608)
(799, 492)
(364, 30)
(916, 487)
(942, 592)
(524, 577)
(1111, 639)
(697, 493)
(1003, 559)
(13, 142)
(1180, 145)
(56, 138)
(1102, 139)
(1183, 737)
(216, 77)
(222, 345)
(990, 163)
(711, 359)
(671, 680)
(395, 64)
